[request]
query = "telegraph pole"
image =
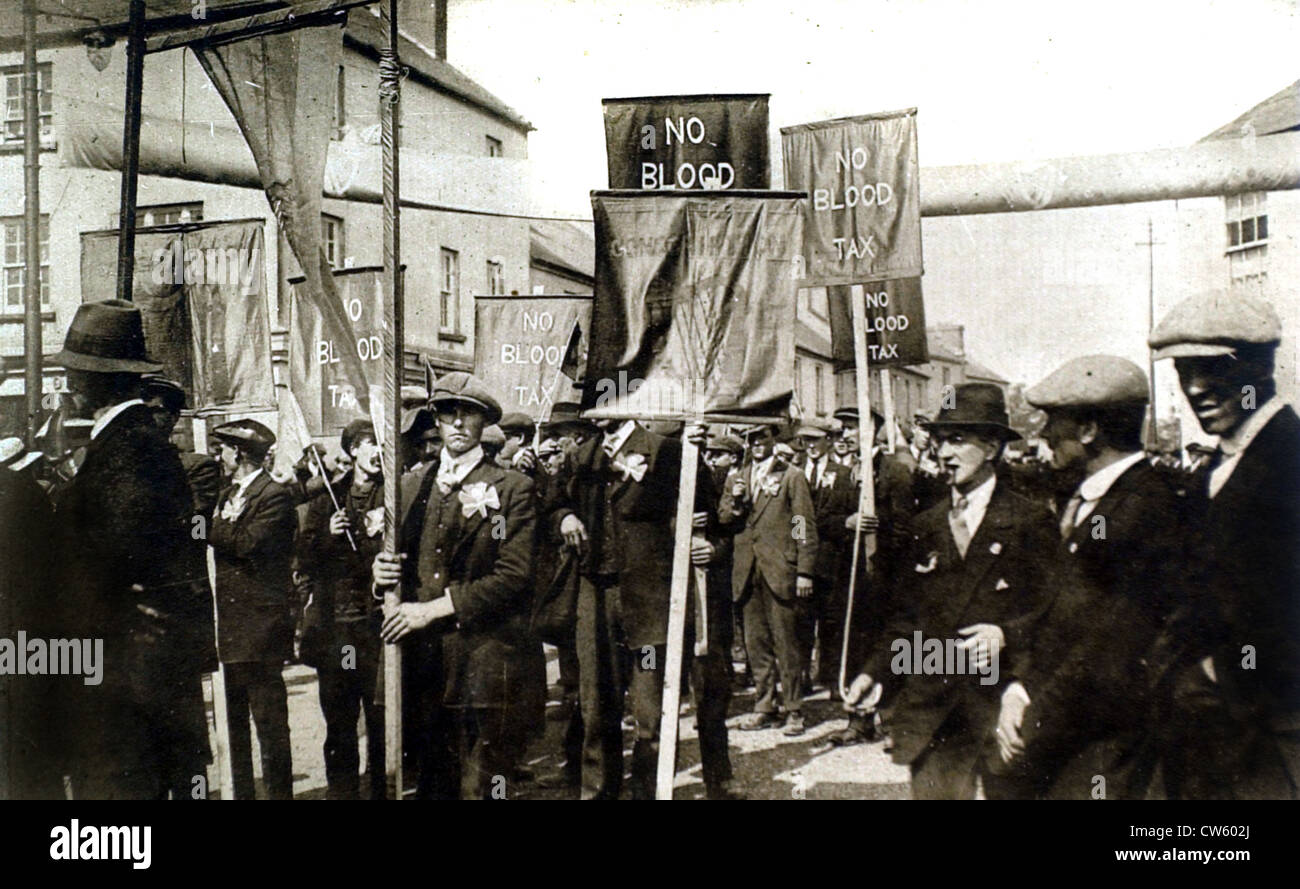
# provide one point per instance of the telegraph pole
(1153, 437)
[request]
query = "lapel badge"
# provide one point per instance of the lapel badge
(478, 497)
(995, 547)
(1001, 585)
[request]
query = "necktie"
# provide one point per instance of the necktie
(1070, 515)
(957, 522)
(446, 478)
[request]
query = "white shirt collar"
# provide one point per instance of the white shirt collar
(1244, 434)
(1095, 486)
(615, 440)
(456, 468)
(109, 415)
(977, 502)
(819, 463)
(247, 480)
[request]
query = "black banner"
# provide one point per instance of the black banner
(665, 143)
(895, 324)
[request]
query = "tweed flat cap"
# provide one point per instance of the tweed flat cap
(812, 428)
(1093, 380)
(516, 421)
(493, 437)
(466, 388)
(728, 443)
(172, 393)
(246, 433)
(1215, 323)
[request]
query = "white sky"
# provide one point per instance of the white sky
(996, 80)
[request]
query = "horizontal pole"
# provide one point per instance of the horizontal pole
(303, 15)
(1206, 169)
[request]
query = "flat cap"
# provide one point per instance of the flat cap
(725, 443)
(516, 421)
(1215, 323)
(354, 432)
(493, 437)
(813, 428)
(465, 388)
(414, 396)
(246, 433)
(850, 413)
(415, 420)
(1093, 380)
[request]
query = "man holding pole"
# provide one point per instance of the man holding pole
(465, 565)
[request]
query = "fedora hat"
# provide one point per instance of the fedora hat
(976, 406)
(107, 337)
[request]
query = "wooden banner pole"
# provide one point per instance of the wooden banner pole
(667, 766)
(225, 775)
(394, 345)
(867, 491)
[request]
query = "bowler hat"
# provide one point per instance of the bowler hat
(248, 434)
(976, 406)
(464, 388)
(566, 414)
(106, 337)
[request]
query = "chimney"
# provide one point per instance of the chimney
(426, 22)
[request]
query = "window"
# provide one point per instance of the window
(496, 279)
(1247, 225)
(495, 148)
(819, 406)
(1247, 220)
(332, 237)
(168, 214)
(449, 292)
(947, 377)
(13, 104)
(15, 271)
(340, 106)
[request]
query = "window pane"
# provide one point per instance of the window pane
(1234, 234)
(1247, 230)
(1261, 228)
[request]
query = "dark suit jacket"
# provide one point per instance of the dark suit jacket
(1005, 579)
(485, 646)
(1253, 532)
(647, 513)
(767, 545)
(204, 476)
(834, 499)
(1092, 665)
(254, 556)
(125, 521)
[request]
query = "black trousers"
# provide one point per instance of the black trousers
(949, 767)
(773, 640)
(607, 667)
(257, 687)
(348, 682)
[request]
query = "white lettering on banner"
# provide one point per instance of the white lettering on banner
(542, 321)
(867, 195)
(693, 128)
(353, 307)
(325, 353)
(715, 176)
(857, 247)
(342, 396)
(522, 353)
(881, 353)
(370, 348)
(878, 300)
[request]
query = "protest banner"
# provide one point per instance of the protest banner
(694, 306)
(864, 212)
(321, 353)
(895, 322)
(705, 142)
(531, 349)
(201, 289)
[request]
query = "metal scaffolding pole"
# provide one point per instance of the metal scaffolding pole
(130, 151)
(31, 223)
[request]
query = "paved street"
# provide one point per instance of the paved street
(767, 764)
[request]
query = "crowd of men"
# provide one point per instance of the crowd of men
(1100, 624)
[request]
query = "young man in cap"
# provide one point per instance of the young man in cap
(1238, 701)
(775, 561)
(341, 622)
(518, 450)
(980, 575)
(126, 572)
(1082, 698)
(620, 513)
(465, 565)
(252, 538)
